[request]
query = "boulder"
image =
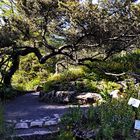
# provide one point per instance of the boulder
(86, 98)
(57, 96)
(36, 124)
(69, 97)
(50, 123)
(115, 94)
(21, 126)
(46, 97)
(65, 96)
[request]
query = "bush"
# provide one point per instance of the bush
(128, 62)
(113, 119)
(7, 93)
(5, 131)
(65, 135)
(116, 120)
(30, 73)
(87, 85)
(63, 78)
(105, 87)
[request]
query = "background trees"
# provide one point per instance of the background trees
(77, 33)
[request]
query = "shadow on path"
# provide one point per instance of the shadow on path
(28, 107)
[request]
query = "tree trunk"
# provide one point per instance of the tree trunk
(8, 76)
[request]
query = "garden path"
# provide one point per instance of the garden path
(28, 109)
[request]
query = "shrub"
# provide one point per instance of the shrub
(111, 120)
(7, 92)
(128, 62)
(116, 120)
(74, 115)
(66, 135)
(5, 131)
(63, 78)
(105, 87)
(30, 73)
(87, 85)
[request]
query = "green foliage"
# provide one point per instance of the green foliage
(7, 8)
(127, 62)
(74, 115)
(63, 78)
(66, 135)
(113, 116)
(5, 131)
(90, 33)
(87, 85)
(113, 119)
(83, 82)
(71, 31)
(8, 92)
(105, 87)
(30, 73)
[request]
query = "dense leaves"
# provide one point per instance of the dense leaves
(72, 31)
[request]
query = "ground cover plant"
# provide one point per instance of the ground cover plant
(113, 119)
(5, 130)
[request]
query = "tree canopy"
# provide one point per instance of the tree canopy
(77, 32)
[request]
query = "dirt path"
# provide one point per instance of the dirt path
(28, 107)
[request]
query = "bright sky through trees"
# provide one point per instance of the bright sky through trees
(95, 1)
(138, 1)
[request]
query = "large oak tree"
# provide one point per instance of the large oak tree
(76, 31)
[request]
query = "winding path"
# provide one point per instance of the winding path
(27, 107)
